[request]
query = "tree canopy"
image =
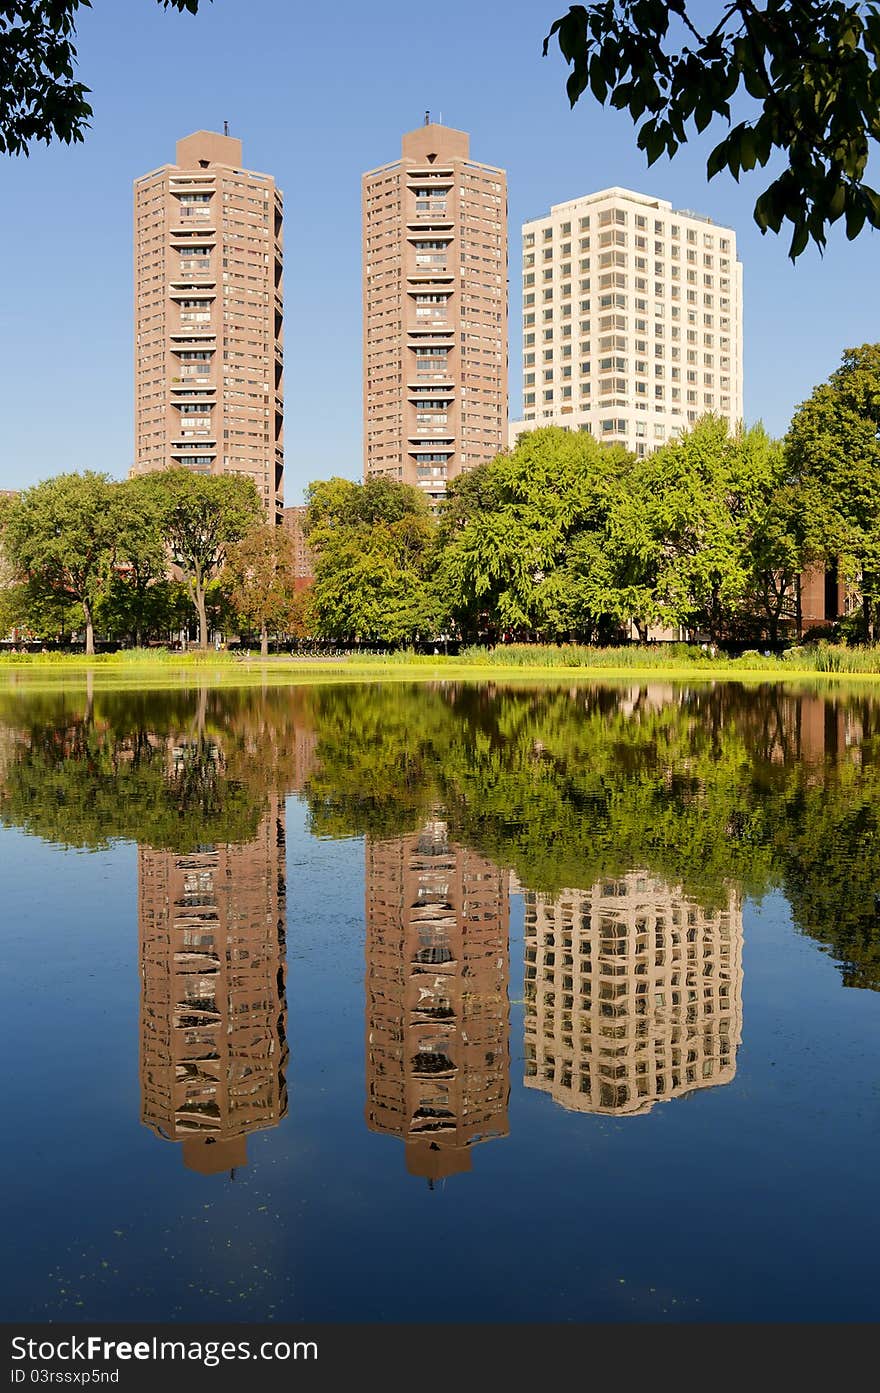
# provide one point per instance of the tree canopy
(61, 537)
(811, 69)
(373, 545)
(260, 578)
(201, 516)
(833, 445)
(509, 524)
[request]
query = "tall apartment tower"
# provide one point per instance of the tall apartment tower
(435, 312)
(293, 522)
(632, 320)
(633, 994)
(213, 1015)
(208, 318)
(438, 1054)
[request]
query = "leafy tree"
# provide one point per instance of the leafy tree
(701, 497)
(782, 544)
(606, 581)
(61, 536)
(201, 516)
(260, 578)
(141, 559)
(30, 611)
(811, 67)
(40, 98)
(833, 447)
(300, 618)
(133, 616)
(340, 503)
(373, 545)
(507, 530)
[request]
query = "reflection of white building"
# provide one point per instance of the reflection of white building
(633, 993)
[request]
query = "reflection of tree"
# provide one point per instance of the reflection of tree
(562, 786)
(827, 850)
(85, 787)
(708, 789)
(173, 770)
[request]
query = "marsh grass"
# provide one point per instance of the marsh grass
(158, 668)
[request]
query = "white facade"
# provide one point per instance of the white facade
(632, 320)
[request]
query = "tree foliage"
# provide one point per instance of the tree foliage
(810, 67)
(61, 537)
(141, 597)
(201, 517)
(565, 536)
(373, 545)
(260, 579)
(41, 98)
(833, 445)
(701, 499)
(509, 525)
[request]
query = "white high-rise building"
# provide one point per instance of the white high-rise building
(632, 320)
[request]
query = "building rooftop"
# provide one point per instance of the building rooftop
(631, 196)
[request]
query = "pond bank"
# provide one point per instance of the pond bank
(153, 671)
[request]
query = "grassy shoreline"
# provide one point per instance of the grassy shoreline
(32, 672)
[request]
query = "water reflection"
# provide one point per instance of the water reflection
(438, 1057)
(633, 994)
(213, 1006)
(667, 806)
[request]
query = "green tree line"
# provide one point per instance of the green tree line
(144, 558)
(561, 538)
(565, 537)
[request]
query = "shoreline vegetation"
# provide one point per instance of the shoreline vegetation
(673, 662)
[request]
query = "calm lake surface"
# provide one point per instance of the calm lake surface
(441, 1003)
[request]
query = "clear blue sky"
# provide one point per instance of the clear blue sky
(316, 107)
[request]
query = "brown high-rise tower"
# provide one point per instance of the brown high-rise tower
(438, 1057)
(208, 318)
(213, 1010)
(435, 312)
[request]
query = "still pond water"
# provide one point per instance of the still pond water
(441, 1003)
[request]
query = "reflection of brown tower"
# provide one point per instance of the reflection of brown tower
(633, 993)
(438, 1061)
(213, 1012)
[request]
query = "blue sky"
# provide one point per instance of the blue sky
(316, 106)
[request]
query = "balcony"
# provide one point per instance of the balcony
(180, 291)
(432, 1062)
(421, 396)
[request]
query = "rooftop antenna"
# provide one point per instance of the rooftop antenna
(225, 127)
(427, 118)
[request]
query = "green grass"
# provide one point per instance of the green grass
(158, 668)
(126, 657)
